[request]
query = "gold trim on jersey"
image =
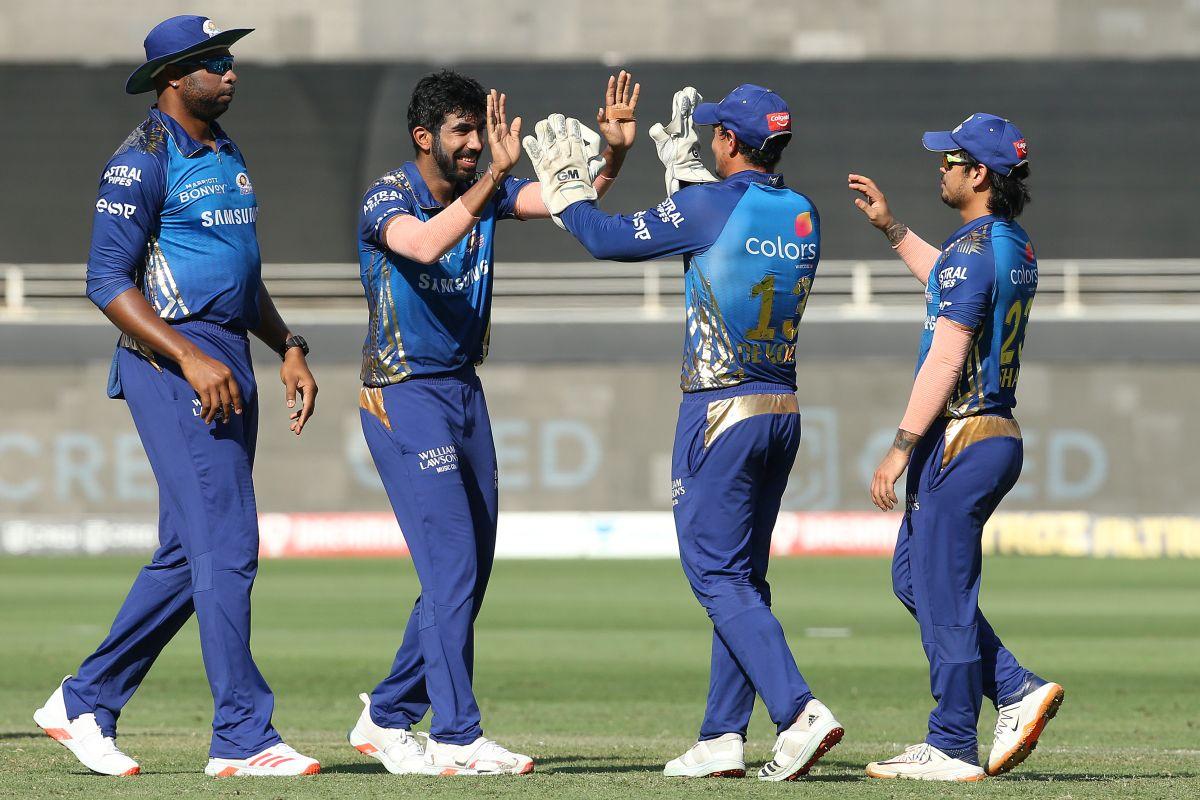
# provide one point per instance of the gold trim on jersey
(386, 364)
(962, 433)
(710, 365)
(724, 414)
(370, 399)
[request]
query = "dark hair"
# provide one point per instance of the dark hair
(767, 157)
(443, 93)
(1009, 192)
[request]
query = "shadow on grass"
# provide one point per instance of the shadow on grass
(9, 736)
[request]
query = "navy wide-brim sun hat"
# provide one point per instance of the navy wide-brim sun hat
(174, 40)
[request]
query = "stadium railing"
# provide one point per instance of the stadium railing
(857, 288)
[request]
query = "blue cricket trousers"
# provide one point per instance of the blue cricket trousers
(958, 474)
(733, 451)
(208, 550)
(431, 440)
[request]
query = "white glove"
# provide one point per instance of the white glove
(592, 145)
(677, 143)
(561, 162)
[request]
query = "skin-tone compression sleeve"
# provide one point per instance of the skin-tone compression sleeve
(529, 199)
(426, 242)
(938, 376)
(918, 255)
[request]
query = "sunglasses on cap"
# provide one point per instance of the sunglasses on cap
(217, 65)
(952, 160)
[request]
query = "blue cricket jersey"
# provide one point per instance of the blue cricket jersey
(425, 319)
(750, 248)
(176, 220)
(985, 279)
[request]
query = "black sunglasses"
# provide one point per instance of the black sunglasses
(217, 65)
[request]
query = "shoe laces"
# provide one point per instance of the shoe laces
(1007, 718)
(493, 751)
(91, 732)
(914, 753)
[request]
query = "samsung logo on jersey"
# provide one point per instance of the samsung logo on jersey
(792, 251)
(435, 283)
(229, 216)
(1023, 275)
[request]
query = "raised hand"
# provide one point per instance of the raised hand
(617, 119)
(504, 140)
(872, 203)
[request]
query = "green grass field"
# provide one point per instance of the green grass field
(599, 670)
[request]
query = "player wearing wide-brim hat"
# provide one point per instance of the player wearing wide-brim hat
(175, 265)
(962, 448)
(178, 39)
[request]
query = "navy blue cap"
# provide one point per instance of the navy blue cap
(753, 113)
(992, 141)
(174, 40)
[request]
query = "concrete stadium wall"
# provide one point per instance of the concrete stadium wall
(318, 30)
(584, 419)
(1108, 143)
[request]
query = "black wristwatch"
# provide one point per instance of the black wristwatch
(293, 341)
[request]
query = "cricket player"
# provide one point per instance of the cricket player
(962, 448)
(750, 248)
(426, 237)
(174, 264)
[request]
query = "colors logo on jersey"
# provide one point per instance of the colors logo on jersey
(804, 224)
(779, 121)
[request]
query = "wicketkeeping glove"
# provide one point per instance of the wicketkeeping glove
(561, 161)
(677, 143)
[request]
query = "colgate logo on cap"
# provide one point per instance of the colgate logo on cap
(779, 121)
(1021, 148)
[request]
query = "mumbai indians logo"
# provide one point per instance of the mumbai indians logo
(210, 28)
(243, 182)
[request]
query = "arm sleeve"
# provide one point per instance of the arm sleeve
(965, 282)
(918, 255)
(938, 376)
(688, 221)
(127, 211)
(530, 205)
(426, 242)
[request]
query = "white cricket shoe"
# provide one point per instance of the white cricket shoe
(278, 760)
(1020, 724)
(480, 757)
(397, 749)
(83, 738)
(924, 762)
(812, 735)
(714, 758)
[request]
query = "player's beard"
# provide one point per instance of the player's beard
(447, 163)
(953, 197)
(205, 105)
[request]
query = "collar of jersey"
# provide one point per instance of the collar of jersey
(425, 198)
(183, 140)
(970, 226)
(774, 179)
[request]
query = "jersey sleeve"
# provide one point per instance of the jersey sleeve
(505, 197)
(688, 221)
(382, 203)
(965, 283)
(128, 207)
